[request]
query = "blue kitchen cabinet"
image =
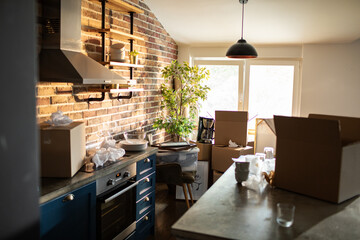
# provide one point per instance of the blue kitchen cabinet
(70, 216)
(145, 197)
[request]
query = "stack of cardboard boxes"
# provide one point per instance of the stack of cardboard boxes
(229, 125)
(317, 156)
(204, 156)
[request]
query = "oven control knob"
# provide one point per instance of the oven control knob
(126, 174)
(111, 182)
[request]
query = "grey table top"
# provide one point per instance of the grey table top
(55, 187)
(229, 211)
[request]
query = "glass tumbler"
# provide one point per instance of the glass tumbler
(285, 214)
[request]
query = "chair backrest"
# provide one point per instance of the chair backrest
(169, 173)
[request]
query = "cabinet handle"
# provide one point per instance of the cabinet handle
(147, 199)
(147, 180)
(146, 218)
(68, 198)
(147, 160)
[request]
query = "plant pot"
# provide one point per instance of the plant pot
(133, 59)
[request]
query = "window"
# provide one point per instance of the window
(262, 87)
(270, 92)
(222, 96)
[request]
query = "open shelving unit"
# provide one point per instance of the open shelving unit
(118, 90)
(125, 8)
(119, 6)
(112, 33)
(122, 64)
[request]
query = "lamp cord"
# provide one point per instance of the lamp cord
(242, 20)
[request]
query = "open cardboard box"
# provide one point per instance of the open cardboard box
(222, 156)
(265, 135)
(229, 125)
(318, 156)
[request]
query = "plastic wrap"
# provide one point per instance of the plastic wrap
(187, 159)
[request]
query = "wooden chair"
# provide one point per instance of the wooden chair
(171, 173)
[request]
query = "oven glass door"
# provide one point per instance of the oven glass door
(117, 215)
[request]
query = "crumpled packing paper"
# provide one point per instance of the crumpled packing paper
(59, 119)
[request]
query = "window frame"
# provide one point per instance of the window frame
(241, 65)
(244, 76)
(296, 95)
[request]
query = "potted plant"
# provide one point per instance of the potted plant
(133, 55)
(181, 104)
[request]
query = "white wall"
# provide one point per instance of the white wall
(330, 73)
(331, 79)
(187, 53)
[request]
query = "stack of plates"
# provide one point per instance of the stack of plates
(140, 145)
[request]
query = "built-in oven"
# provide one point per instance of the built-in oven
(116, 204)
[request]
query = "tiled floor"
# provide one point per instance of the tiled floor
(167, 212)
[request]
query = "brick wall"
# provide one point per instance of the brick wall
(156, 51)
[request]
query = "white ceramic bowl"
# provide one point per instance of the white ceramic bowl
(133, 147)
(135, 138)
(117, 52)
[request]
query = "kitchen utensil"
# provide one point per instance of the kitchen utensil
(205, 130)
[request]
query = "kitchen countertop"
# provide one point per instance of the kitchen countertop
(55, 187)
(229, 211)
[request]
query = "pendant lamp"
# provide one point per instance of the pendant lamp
(241, 49)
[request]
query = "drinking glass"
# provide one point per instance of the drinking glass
(285, 214)
(269, 152)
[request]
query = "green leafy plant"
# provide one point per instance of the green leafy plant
(181, 104)
(134, 53)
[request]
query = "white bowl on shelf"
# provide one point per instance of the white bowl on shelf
(117, 52)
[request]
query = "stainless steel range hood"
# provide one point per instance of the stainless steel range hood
(61, 59)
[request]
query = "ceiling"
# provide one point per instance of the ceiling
(218, 22)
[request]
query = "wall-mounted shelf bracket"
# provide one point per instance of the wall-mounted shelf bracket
(118, 97)
(97, 99)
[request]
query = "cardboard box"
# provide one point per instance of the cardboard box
(62, 149)
(222, 156)
(205, 151)
(265, 135)
(216, 175)
(231, 125)
(318, 157)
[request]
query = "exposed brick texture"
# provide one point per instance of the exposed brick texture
(156, 51)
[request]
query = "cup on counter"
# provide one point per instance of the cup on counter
(241, 171)
(269, 152)
(150, 138)
(261, 156)
(89, 167)
(285, 214)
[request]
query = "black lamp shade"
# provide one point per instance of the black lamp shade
(241, 49)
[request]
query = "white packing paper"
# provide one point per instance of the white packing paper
(59, 119)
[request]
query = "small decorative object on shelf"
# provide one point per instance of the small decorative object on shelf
(133, 55)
